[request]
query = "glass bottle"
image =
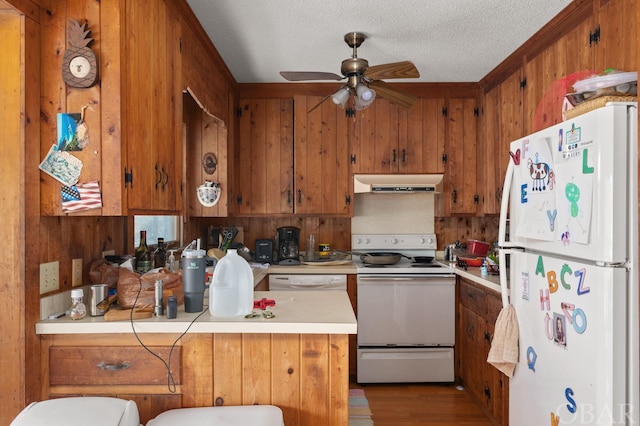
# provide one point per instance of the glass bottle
(143, 255)
(78, 308)
(160, 255)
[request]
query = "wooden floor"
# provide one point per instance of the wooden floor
(421, 404)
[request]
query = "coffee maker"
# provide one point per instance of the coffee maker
(288, 245)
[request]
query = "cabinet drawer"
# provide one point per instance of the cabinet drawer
(473, 298)
(127, 365)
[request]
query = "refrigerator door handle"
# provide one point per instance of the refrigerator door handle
(502, 243)
(504, 206)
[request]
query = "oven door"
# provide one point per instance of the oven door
(408, 310)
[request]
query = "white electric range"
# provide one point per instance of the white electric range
(406, 311)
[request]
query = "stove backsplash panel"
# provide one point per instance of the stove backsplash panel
(393, 214)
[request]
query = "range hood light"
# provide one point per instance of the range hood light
(396, 183)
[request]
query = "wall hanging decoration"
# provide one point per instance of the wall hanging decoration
(209, 163)
(73, 134)
(62, 166)
(80, 197)
(209, 193)
(79, 63)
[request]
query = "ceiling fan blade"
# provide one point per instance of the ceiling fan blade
(320, 103)
(309, 75)
(404, 69)
(395, 96)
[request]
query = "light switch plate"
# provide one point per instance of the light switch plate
(49, 277)
(76, 272)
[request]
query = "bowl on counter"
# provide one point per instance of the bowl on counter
(470, 261)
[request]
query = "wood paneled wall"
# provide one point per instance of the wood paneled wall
(337, 231)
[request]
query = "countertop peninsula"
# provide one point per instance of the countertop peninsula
(299, 312)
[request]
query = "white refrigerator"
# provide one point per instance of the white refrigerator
(572, 243)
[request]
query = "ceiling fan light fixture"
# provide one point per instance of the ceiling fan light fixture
(341, 96)
(365, 93)
(362, 103)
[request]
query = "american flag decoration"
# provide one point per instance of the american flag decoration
(83, 196)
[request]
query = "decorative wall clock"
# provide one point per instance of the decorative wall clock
(79, 64)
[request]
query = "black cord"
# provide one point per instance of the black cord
(171, 383)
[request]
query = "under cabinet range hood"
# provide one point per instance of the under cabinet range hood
(400, 183)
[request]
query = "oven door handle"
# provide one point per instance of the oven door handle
(404, 278)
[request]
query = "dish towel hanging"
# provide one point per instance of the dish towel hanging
(504, 347)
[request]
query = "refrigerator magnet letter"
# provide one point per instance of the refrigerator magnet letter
(582, 289)
(571, 406)
(532, 356)
(586, 169)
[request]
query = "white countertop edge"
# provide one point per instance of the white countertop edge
(490, 281)
(179, 327)
(309, 312)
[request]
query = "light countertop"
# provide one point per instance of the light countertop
(473, 274)
(296, 312)
(347, 268)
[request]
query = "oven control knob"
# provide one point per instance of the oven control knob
(394, 240)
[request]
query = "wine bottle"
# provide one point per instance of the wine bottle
(143, 255)
(160, 255)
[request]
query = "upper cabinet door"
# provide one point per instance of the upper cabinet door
(390, 139)
(153, 105)
(323, 183)
(264, 158)
(421, 140)
(205, 142)
(460, 184)
(375, 138)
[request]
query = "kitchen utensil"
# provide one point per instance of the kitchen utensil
(126, 314)
(227, 237)
(379, 258)
(422, 259)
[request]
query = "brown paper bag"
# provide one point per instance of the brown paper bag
(129, 284)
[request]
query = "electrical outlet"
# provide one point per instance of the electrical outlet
(76, 272)
(108, 253)
(49, 277)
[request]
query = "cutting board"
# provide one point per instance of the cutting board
(125, 314)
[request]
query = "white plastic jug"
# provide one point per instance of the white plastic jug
(231, 291)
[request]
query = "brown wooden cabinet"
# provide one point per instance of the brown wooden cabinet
(152, 107)
(478, 309)
(267, 181)
(322, 175)
(303, 374)
(389, 139)
(264, 169)
(205, 148)
(460, 196)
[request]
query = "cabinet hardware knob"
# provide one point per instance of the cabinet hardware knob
(394, 155)
(122, 366)
(219, 401)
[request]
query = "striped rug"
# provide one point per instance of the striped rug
(359, 412)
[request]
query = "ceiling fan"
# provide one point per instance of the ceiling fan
(364, 82)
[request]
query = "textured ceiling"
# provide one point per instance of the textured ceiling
(448, 41)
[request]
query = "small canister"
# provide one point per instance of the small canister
(99, 293)
(324, 251)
